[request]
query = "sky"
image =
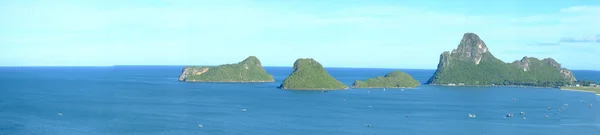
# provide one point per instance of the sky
(337, 33)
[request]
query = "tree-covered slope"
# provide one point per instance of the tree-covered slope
(472, 64)
(395, 79)
(309, 74)
(248, 70)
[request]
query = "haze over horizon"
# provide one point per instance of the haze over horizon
(338, 33)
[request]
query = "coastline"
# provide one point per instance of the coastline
(594, 90)
(196, 81)
(515, 86)
(384, 87)
(579, 91)
(309, 89)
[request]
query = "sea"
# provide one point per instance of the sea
(148, 100)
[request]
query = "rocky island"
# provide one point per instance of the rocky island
(309, 74)
(249, 70)
(471, 63)
(394, 79)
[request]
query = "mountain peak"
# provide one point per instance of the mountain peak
(471, 48)
(251, 60)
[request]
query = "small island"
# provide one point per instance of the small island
(472, 64)
(394, 79)
(248, 70)
(309, 74)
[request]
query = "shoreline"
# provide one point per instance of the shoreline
(383, 87)
(312, 89)
(580, 91)
(514, 86)
(194, 81)
(593, 90)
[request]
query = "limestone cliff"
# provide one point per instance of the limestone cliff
(471, 63)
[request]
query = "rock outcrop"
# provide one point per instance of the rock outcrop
(471, 63)
(471, 48)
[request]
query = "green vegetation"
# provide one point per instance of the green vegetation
(585, 83)
(309, 74)
(582, 88)
(472, 64)
(249, 70)
(395, 79)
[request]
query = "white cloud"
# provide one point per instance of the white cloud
(581, 9)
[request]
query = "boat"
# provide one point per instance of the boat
(472, 115)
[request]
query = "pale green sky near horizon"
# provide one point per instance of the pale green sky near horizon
(337, 33)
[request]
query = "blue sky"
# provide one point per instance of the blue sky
(337, 33)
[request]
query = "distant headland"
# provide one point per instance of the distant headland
(248, 70)
(471, 63)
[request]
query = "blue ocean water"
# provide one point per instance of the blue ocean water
(149, 100)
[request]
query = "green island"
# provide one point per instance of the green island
(394, 79)
(248, 70)
(471, 64)
(309, 74)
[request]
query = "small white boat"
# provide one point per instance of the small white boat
(472, 115)
(244, 110)
(199, 125)
(59, 114)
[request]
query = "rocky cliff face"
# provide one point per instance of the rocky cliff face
(525, 63)
(471, 48)
(192, 71)
(472, 63)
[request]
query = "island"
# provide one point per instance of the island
(394, 79)
(309, 74)
(471, 63)
(584, 86)
(248, 70)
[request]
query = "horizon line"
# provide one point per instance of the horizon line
(199, 65)
(217, 65)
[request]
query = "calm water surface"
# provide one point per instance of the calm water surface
(148, 100)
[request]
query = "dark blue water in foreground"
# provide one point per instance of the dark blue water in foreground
(149, 100)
